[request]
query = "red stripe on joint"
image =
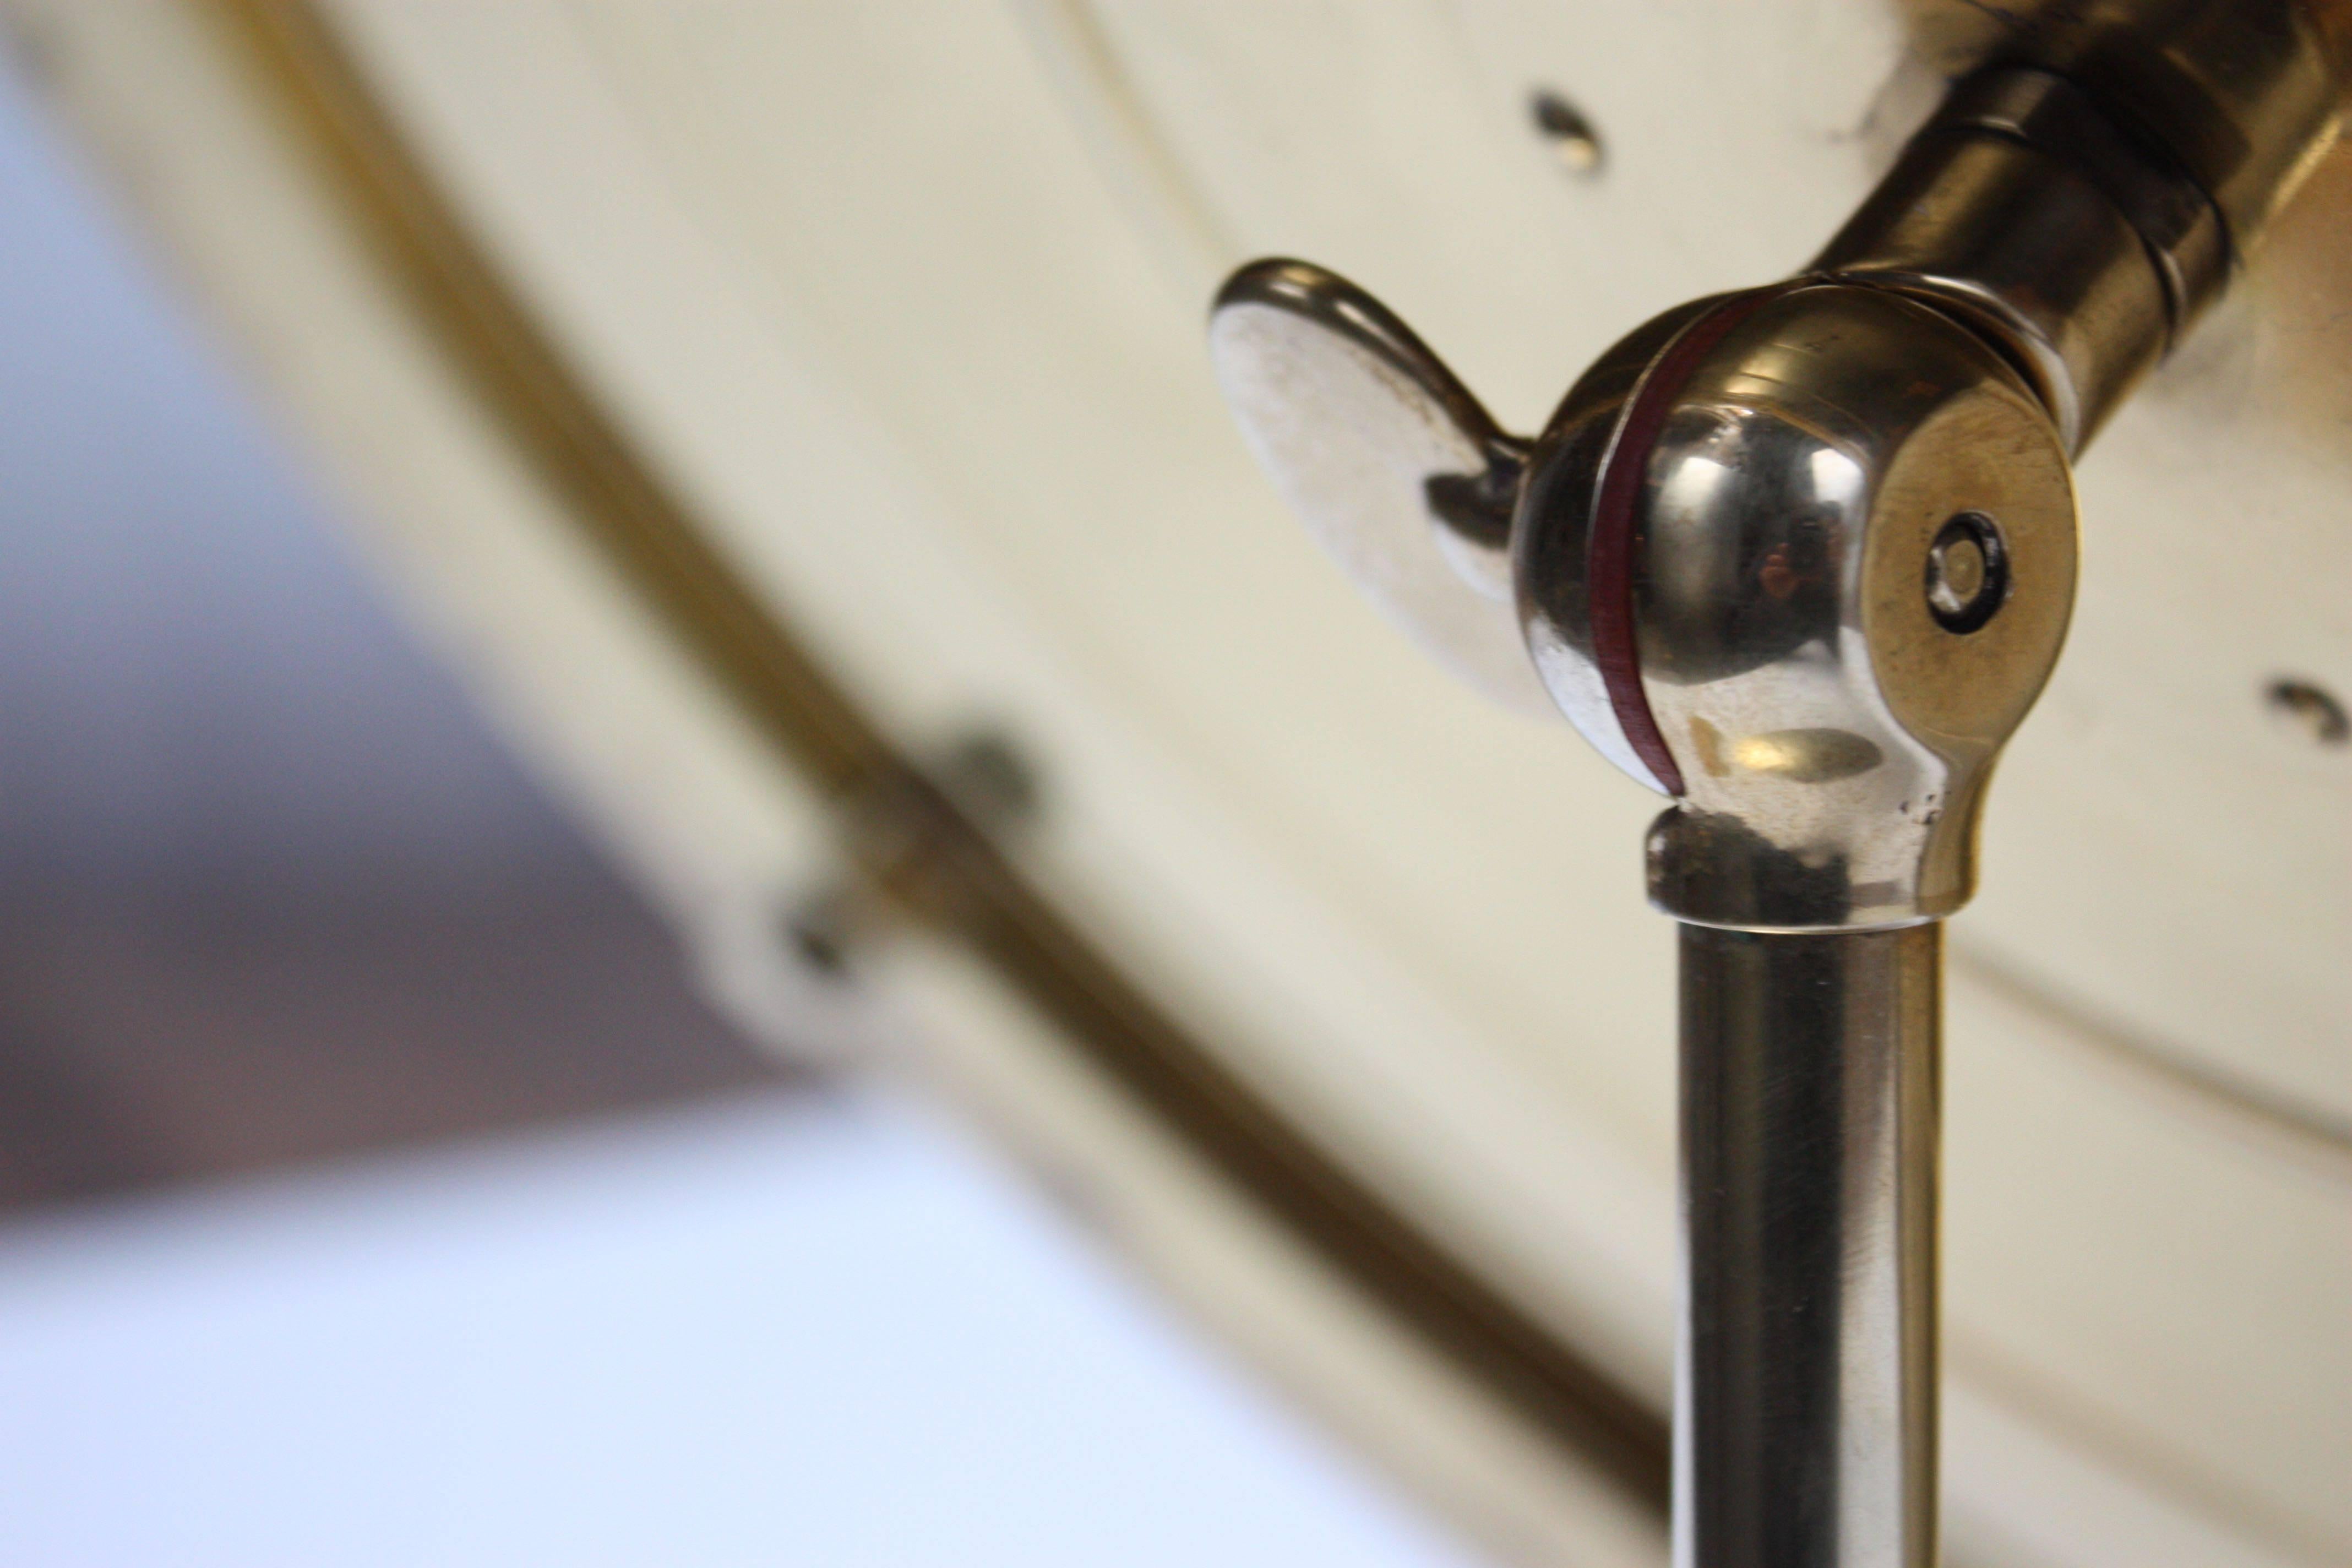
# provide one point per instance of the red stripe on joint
(1610, 543)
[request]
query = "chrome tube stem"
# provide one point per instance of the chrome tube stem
(1805, 1394)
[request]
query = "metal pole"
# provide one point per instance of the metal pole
(1805, 1394)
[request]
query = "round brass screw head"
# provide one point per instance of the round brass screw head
(1968, 572)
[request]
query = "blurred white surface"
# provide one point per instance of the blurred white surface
(778, 1333)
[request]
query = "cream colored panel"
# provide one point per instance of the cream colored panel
(2155, 1274)
(1416, 922)
(849, 274)
(608, 704)
(1064, 469)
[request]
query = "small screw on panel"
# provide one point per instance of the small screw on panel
(1570, 135)
(1968, 572)
(2311, 710)
(823, 931)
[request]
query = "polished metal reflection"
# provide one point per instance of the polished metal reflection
(1395, 469)
(2022, 211)
(1828, 737)
(1800, 558)
(1833, 735)
(1805, 1419)
(2239, 96)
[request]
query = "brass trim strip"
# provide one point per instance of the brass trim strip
(550, 414)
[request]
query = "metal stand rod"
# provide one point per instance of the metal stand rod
(1805, 1397)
